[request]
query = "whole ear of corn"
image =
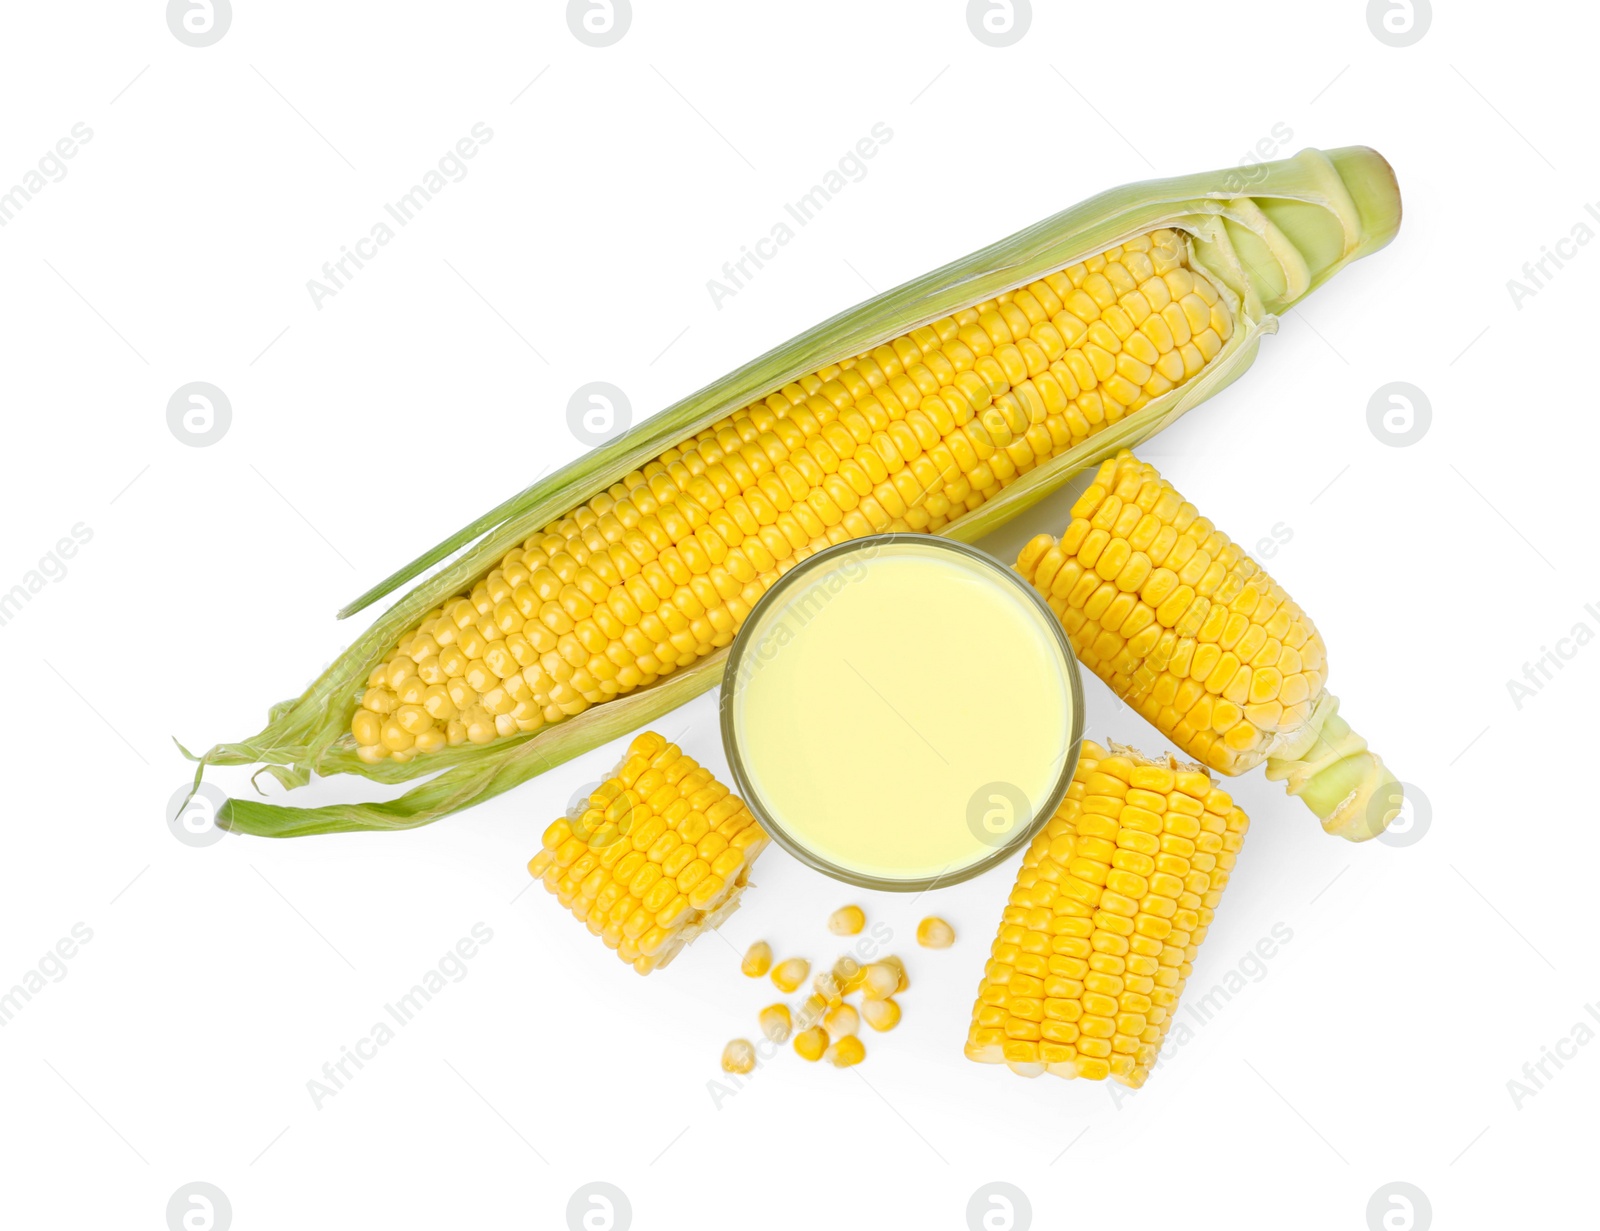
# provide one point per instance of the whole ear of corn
(606, 595)
(657, 854)
(1114, 897)
(1194, 634)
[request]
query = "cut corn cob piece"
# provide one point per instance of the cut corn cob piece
(657, 854)
(1114, 897)
(1192, 633)
(948, 404)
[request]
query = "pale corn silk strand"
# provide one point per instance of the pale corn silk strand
(1114, 897)
(660, 570)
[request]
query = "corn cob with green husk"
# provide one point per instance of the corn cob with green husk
(1194, 634)
(604, 596)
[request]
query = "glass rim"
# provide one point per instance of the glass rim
(763, 814)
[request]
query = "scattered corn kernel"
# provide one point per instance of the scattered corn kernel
(899, 967)
(841, 1020)
(847, 921)
(790, 973)
(881, 1014)
(811, 1011)
(934, 933)
(757, 959)
(847, 1051)
(879, 981)
(810, 1044)
(738, 1057)
(775, 1022)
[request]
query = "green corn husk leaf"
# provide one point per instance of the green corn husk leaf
(1301, 220)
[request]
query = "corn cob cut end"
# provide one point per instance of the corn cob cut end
(1113, 900)
(1334, 774)
(661, 853)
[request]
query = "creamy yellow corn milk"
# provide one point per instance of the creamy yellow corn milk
(901, 710)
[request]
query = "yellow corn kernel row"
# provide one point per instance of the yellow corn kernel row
(661, 852)
(1177, 620)
(661, 569)
(1114, 897)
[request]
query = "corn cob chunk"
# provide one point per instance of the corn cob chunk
(1113, 899)
(1192, 633)
(661, 569)
(661, 852)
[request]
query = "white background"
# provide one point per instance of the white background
(177, 1047)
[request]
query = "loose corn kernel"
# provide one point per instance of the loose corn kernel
(757, 959)
(662, 568)
(881, 1014)
(846, 1052)
(1090, 991)
(847, 921)
(775, 1022)
(810, 1044)
(934, 933)
(879, 981)
(811, 1011)
(610, 863)
(790, 973)
(840, 1020)
(738, 1057)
